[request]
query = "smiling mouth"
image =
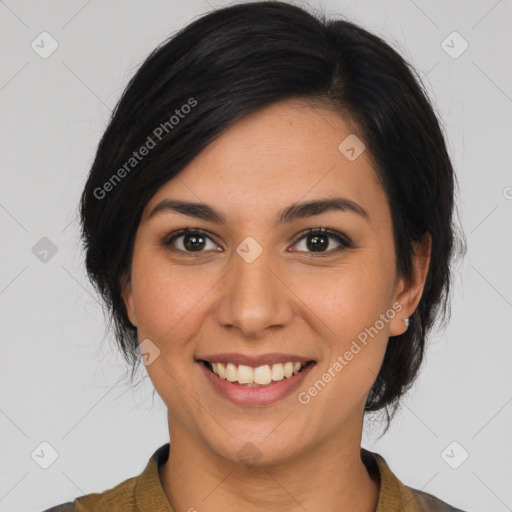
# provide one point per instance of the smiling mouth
(261, 376)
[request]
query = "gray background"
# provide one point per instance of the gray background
(63, 382)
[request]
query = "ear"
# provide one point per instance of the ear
(129, 301)
(408, 291)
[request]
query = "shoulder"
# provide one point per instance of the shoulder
(127, 495)
(120, 495)
(394, 495)
(63, 507)
(429, 502)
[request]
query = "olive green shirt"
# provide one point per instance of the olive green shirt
(144, 493)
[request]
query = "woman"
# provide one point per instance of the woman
(269, 220)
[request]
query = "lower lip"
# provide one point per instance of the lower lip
(266, 395)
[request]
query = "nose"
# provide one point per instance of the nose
(254, 298)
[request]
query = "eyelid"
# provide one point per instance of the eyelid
(169, 239)
(344, 241)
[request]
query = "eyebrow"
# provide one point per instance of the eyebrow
(289, 214)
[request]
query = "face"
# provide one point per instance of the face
(252, 286)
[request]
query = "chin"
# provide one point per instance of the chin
(259, 451)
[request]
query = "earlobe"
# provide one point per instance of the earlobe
(410, 291)
(129, 302)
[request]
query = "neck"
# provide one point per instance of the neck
(328, 476)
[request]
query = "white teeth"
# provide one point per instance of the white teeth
(288, 370)
(245, 374)
(231, 372)
(260, 376)
(277, 372)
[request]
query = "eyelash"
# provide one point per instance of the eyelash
(344, 241)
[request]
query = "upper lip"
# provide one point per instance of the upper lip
(254, 361)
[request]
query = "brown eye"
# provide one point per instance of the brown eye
(189, 241)
(320, 239)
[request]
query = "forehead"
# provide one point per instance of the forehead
(286, 153)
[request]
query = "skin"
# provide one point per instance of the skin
(291, 299)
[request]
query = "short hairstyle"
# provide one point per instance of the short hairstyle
(237, 60)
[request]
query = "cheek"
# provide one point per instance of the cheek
(168, 300)
(347, 299)
(345, 306)
(169, 306)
